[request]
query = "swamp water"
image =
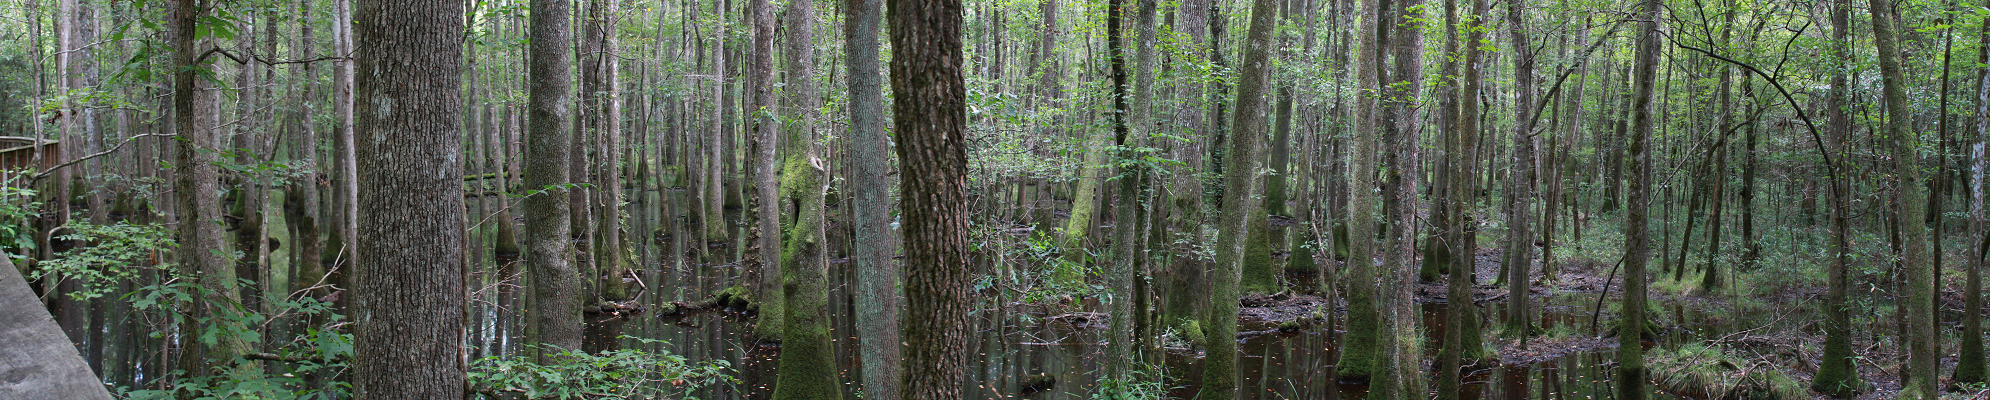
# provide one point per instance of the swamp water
(1032, 352)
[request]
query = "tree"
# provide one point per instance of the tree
(1637, 242)
(408, 296)
(1836, 372)
(1923, 364)
(930, 117)
(1462, 343)
(601, 101)
(197, 120)
(1357, 358)
(1520, 204)
(877, 274)
(1402, 355)
(555, 310)
(1970, 368)
(766, 172)
(1242, 185)
(808, 368)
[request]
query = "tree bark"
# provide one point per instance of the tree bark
(555, 322)
(1519, 213)
(197, 117)
(1637, 242)
(930, 119)
(877, 273)
(1359, 348)
(408, 296)
(766, 284)
(1241, 185)
(808, 367)
(1837, 373)
(1923, 364)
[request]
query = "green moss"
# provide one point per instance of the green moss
(1358, 351)
(1436, 260)
(1340, 241)
(1192, 331)
(1259, 269)
(1301, 259)
(1836, 374)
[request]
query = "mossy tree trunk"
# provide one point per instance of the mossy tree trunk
(808, 367)
(1923, 362)
(1131, 126)
(1970, 367)
(1637, 240)
(1357, 357)
(1520, 187)
(1241, 184)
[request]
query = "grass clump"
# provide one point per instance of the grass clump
(1701, 371)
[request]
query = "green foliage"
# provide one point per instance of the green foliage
(115, 253)
(1702, 371)
(618, 374)
(316, 355)
(1140, 384)
(18, 211)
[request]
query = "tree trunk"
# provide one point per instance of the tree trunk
(1970, 369)
(555, 310)
(1923, 364)
(1241, 184)
(1401, 360)
(766, 173)
(409, 295)
(877, 274)
(1837, 373)
(929, 117)
(1462, 341)
(1637, 242)
(197, 117)
(808, 367)
(600, 72)
(1519, 236)
(1358, 349)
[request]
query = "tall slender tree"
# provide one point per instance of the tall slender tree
(766, 283)
(1836, 373)
(1358, 349)
(1923, 362)
(1637, 242)
(1242, 184)
(877, 274)
(197, 120)
(1519, 212)
(555, 302)
(1970, 367)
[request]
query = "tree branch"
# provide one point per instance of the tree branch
(114, 149)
